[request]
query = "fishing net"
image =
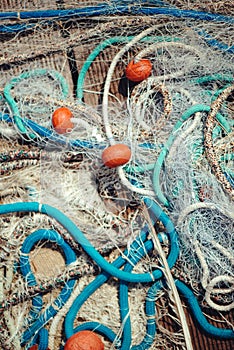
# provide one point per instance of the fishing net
(166, 215)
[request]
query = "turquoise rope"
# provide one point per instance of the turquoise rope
(101, 47)
(100, 329)
(155, 212)
(12, 103)
(60, 301)
(200, 318)
(124, 305)
(214, 77)
(93, 286)
(25, 267)
(149, 306)
(150, 327)
(150, 311)
(158, 164)
(42, 339)
(87, 246)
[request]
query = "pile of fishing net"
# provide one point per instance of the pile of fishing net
(111, 247)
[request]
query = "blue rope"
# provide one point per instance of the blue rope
(12, 103)
(30, 241)
(199, 15)
(25, 268)
(110, 270)
(200, 318)
(150, 305)
(98, 282)
(100, 329)
(105, 9)
(214, 42)
(94, 285)
(88, 247)
(102, 10)
(42, 339)
(60, 139)
(52, 136)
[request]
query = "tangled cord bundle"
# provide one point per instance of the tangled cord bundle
(160, 224)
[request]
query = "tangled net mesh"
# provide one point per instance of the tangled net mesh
(181, 156)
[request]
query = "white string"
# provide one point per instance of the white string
(202, 205)
(210, 290)
(110, 72)
(171, 283)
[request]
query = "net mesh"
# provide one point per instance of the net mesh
(178, 124)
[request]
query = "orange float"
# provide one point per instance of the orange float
(138, 71)
(84, 340)
(61, 120)
(116, 155)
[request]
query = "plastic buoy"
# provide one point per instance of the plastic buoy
(116, 155)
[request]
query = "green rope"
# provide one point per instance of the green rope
(158, 164)
(13, 104)
(101, 47)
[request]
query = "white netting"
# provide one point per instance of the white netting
(181, 156)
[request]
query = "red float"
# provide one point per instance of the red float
(116, 155)
(61, 120)
(138, 71)
(84, 340)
